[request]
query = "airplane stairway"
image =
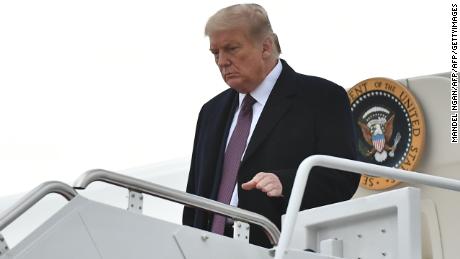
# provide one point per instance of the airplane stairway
(84, 228)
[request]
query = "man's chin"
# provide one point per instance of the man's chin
(238, 86)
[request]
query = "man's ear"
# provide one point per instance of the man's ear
(267, 47)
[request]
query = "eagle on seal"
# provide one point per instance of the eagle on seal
(378, 135)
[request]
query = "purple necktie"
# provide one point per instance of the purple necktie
(232, 160)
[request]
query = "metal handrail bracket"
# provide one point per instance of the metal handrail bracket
(180, 197)
(307, 164)
(32, 197)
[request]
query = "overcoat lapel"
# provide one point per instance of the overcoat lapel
(277, 105)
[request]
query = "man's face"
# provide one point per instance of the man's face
(240, 59)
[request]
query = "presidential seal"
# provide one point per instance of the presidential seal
(389, 125)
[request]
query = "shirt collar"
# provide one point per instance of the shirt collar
(261, 93)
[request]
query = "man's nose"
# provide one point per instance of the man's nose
(223, 60)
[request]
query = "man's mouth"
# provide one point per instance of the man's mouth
(229, 75)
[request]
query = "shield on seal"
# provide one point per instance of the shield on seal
(378, 141)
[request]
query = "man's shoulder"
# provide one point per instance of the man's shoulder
(312, 84)
(219, 103)
(316, 85)
(225, 95)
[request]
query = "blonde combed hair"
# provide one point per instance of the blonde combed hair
(252, 17)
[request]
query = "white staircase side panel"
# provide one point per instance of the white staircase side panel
(385, 225)
(92, 230)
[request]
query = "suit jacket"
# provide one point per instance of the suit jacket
(303, 116)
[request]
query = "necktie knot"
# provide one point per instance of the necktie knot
(248, 101)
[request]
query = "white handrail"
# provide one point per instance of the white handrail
(32, 197)
(351, 166)
(167, 193)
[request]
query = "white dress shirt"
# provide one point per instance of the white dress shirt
(260, 94)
